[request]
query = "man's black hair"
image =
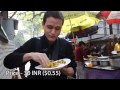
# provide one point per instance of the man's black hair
(55, 14)
(81, 43)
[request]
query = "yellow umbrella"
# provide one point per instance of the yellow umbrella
(84, 19)
(78, 18)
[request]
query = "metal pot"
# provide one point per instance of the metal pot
(95, 62)
(115, 61)
(104, 63)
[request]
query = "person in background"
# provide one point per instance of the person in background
(94, 50)
(80, 54)
(40, 50)
(117, 46)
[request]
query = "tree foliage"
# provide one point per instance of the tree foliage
(32, 24)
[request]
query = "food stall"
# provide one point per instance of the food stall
(109, 68)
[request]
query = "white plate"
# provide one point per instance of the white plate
(55, 68)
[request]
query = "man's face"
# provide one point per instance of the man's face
(52, 28)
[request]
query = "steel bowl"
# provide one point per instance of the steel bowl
(104, 63)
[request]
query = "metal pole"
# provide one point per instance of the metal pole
(118, 29)
(105, 30)
(71, 27)
(111, 29)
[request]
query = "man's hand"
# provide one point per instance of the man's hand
(67, 71)
(41, 58)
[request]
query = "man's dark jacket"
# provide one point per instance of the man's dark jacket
(59, 50)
